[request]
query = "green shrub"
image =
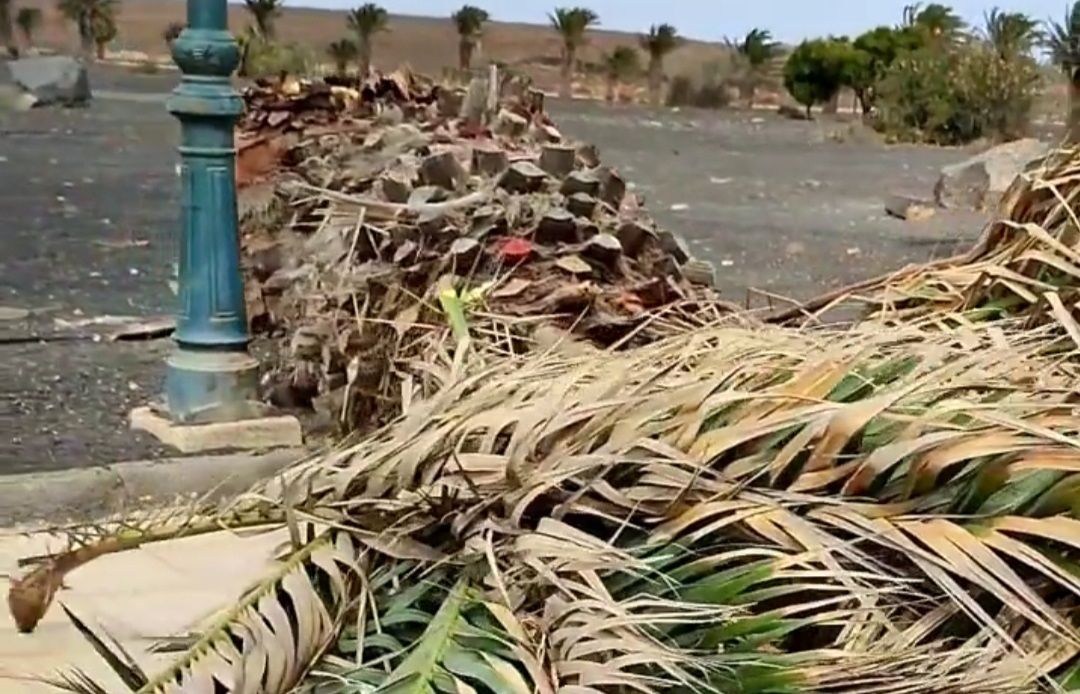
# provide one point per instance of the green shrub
(815, 70)
(264, 58)
(955, 97)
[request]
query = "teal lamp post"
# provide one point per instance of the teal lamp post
(210, 375)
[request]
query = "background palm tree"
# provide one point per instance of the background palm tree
(939, 25)
(7, 34)
(661, 40)
(265, 14)
(571, 23)
(1063, 43)
(620, 65)
(1011, 34)
(103, 28)
(93, 19)
(28, 19)
(756, 52)
(366, 21)
(469, 21)
(342, 52)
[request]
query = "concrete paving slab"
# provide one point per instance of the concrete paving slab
(139, 596)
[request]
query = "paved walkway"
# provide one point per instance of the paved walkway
(162, 590)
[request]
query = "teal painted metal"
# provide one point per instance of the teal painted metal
(210, 373)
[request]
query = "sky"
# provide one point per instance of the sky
(713, 20)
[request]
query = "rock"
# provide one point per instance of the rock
(674, 245)
(558, 160)
(557, 226)
(581, 182)
(909, 209)
(489, 161)
(699, 272)
(450, 102)
(634, 235)
(523, 177)
(511, 124)
(612, 188)
(14, 99)
(464, 252)
(589, 156)
(574, 265)
(581, 205)
(395, 188)
(442, 169)
(979, 181)
(604, 248)
(542, 132)
(51, 80)
(11, 313)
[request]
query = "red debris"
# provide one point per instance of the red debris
(516, 250)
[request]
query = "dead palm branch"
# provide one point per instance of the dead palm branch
(750, 510)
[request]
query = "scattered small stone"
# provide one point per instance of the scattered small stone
(581, 182)
(909, 209)
(588, 156)
(612, 189)
(812, 184)
(720, 181)
(406, 253)
(395, 188)
(558, 160)
(489, 161)
(679, 207)
(443, 170)
(700, 272)
(511, 124)
(604, 248)
(557, 226)
(523, 177)
(450, 102)
(581, 205)
(634, 235)
(674, 245)
(727, 262)
(574, 265)
(853, 251)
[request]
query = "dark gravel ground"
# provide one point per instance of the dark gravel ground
(89, 197)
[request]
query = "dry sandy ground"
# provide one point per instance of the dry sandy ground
(775, 204)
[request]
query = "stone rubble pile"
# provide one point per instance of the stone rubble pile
(378, 217)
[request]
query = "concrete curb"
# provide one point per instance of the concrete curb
(89, 493)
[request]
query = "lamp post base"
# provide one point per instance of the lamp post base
(211, 386)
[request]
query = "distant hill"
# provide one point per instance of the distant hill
(427, 43)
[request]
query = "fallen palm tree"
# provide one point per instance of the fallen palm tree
(1026, 264)
(727, 510)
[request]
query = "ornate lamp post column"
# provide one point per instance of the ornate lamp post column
(210, 374)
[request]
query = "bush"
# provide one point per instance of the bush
(269, 59)
(815, 70)
(712, 89)
(958, 96)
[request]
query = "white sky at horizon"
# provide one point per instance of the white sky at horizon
(789, 20)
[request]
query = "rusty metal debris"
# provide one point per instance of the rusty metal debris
(368, 209)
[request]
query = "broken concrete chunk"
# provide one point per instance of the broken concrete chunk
(581, 205)
(541, 132)
(978, 182)
(523, 177)
(442, 169)
(634, 235)
(604, 248)
(395, 188)
(700, 272)
(574, 265)
(588, 156)
(489, 161)
(909, 209)
(612, 188)
(674, 245)
(557, 226)
(306, 343)
(581, 182)
(558, 160)
(464, 252)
